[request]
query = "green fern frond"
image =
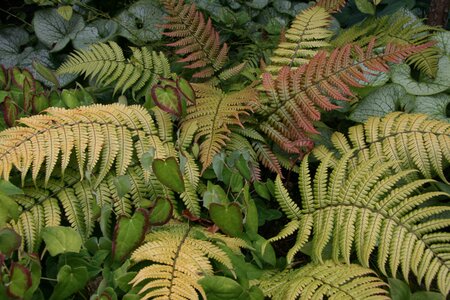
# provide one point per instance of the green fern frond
(325, 281)
(107, 64)
(179, 259)
(213, 112)
(308, 34)
(402, 28)
(100, 136)
(410, 141)
(296, 97)
(371, 207)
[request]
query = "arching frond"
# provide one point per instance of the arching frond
(180, 256)
(107, 64)
(332, 6)
(197, 40)
(213, 112)
(306, 36)
(371, 209)
(401, 28)
(296, 97)
(100, 136)
(325, 281)
(78, 202)
(409, 141)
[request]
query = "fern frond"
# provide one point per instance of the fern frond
(179, 259)
(197, 40)
(332, 6)
(325, 281)
(100, 136)
(410, 141)
(402, 28)
(78, 202)
(267, 157)
(308, 33)
(372, 207)
(296, 97)
(107, 64)
(213, 112)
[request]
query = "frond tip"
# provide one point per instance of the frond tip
(325, 281)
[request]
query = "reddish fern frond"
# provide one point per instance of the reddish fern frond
(297, 97)
(332, 6)
(267, 157)
(198, 41)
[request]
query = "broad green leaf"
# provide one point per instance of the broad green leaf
(427, 296)
(168, 173)
(65, 11)
(434, 106)
(214, 194)
(45, 72)
(11, 41)
(265, 251)
(161, 212)
(218, 164)
(168, 98)
(53, 30)
(236, 182)
(147, 159)
(129, 233)
(242, 165)
(9, 209)
(9, 241)
(251, 215)
(365, 6)
(227, 217)
(34, 265)
(70, 98)
(9, 189)
(186, 89)
(398, 289)
(380, 102)
(261, 190)
(122, 184)
(139, 22)
(60, 239)
(443, 41)
(220, 287)
(401, 74)
(258, 4)
(20, 281)
(99, 31)
(70, 280)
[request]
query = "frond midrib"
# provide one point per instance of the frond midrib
(174, 264)
(383, 214)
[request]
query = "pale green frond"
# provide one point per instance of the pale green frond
(288, 206)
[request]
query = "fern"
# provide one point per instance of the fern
(180, 256)
(107, 64)
(328, 280)
(410, 141)
(402, 28)
(307, 34)
(213, 112)
(196, 38)
(100, 136)
(296, 97)
(78, 202)
(332, 6)
(365, 208)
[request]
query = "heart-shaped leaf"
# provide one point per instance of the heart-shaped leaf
(168, 98)
(168, 173)
(70, 280)
(123, 185)
(227, 217)
(60, 239)
(186, 89)
(9, 241)
(20, 281)
(161, 212)
(129, 233)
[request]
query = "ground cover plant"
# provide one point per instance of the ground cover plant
(224, 150)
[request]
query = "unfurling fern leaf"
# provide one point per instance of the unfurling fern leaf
(401, 28)
(307, 34)
(410, 141)
(197, 38)
(180, 257)
(213, 112)
(325, 281)
(107, 64)
(366, 208)
(100, 136)
(296, 97)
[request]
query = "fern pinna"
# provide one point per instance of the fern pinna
(295, 98)
(196, 38)
(107, 64)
